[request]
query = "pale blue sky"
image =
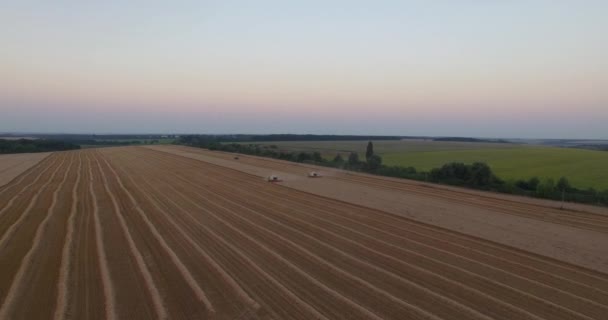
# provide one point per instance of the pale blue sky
(474, 68)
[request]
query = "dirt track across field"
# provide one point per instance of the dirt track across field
(12, 165)
(133, 233)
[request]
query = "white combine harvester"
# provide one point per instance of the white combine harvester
(274, 178)
(314, 174)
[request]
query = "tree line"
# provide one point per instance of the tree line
(477, 175)
(281, 137)
(35, 145)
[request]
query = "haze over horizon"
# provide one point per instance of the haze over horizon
(484, 69)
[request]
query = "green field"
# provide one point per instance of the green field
(584, 168)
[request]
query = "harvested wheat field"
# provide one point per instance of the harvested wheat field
(578, 235)
(12, 165)
(135, 233)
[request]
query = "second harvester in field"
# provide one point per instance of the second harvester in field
(314, 174)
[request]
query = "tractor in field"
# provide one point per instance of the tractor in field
(274, 178)
(314, 174)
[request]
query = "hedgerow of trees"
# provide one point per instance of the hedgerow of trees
(34, 145)
(476, 175)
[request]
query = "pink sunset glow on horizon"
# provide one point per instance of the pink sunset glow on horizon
(408, 68)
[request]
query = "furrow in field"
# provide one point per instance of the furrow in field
(85, 296)
(372, 255)
(458, 288)
(336, 270)
(182, 270)
(66, 252)
(277, 296)
(41, 274)
(14, 245)
(509, 279)
(322, 282)
(131, 283)
(395, 225)
(215, 271)
(100, 256)
(285, 284)
(267, 200)
(519, 258)
(463, 256)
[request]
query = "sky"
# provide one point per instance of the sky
(513, 69)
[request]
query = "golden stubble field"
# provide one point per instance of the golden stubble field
(135, 233)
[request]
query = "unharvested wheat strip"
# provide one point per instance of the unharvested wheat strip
(186, 274)
(256, 267)
(238, 289)
(10, 202)
(108, 286)
(62, 288)
(507, 207)
(156, 297)
(12, 293)
(21, 178)
(321, 285)
(9, 233)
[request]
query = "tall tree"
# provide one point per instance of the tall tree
(370, 150)
(563, 185)
(353, 159)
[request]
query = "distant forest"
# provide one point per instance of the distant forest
(281, 137)
(36, 145)
(462, 139)
(97, 137)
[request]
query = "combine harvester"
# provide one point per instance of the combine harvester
(274, 178)
(314, 174)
